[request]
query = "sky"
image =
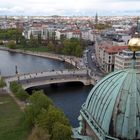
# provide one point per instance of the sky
(69, 7)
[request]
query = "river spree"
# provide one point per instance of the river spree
(27, 63)
(69, 96)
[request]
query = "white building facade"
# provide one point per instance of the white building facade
(123, 60)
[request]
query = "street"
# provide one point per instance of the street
(91, 63)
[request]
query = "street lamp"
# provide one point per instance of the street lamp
(16, 72)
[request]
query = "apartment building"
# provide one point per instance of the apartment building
(105, 54)
(123, 60)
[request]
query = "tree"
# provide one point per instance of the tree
(39, 39)
(78, 51)
(18, 35)
(46, 119)
(22, 94)
(53, 36)
(14, 86)
(39, 134)
(33, 42)
(101, 26)
(23, 41)
(2, 83)
(38, 101)
(48, 36)
(11, 44)
(51, 46)
(61, 132)
(72, 47)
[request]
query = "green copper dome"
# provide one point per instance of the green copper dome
(112, 108)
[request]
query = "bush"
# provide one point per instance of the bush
(2, 83)
(14, 86)
(38, 101)
(46, 119)
(22, 94)
(11, 44)
(49, 122)
(1, 42)
(61, 132)
(39, 134)
(17, 89)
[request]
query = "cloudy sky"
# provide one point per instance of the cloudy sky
(69, 7)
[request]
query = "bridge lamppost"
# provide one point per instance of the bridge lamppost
(16, 72)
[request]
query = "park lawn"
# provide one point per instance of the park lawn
(11, 125)
(37, 49)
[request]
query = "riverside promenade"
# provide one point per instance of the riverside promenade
(75, 61)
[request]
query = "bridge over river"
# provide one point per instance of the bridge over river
(51, 77)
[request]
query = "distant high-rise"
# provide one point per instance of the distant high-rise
(96, 18)
(5, 18)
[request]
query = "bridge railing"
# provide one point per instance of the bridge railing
(47, 73)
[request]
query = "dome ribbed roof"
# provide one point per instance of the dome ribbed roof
(114, 104)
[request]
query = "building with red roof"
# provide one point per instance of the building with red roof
(105, 53)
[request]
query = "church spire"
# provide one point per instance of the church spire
(96, 18)
(138, 25)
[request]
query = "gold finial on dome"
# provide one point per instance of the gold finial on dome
(134, 43)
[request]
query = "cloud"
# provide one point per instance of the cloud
(63, 7)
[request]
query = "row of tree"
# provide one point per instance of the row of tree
(71, 46)
(46, 121)
(11, 34)
(102, 26)
(65, 46)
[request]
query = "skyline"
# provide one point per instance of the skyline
(69, 8)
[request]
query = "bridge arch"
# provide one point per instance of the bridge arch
(57, 85)
(84, 81)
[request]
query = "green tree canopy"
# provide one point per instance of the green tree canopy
(2, 83)
(37, 101)
(11, 44)
(101, 26)
(14, 86)
(39, 134)
(10, 34)
(47, 119)
(22, 94)
(72, 47)
(33, 42)
(51, 46)
(61, 132)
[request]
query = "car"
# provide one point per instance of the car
(86, 50)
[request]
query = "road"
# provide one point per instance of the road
(91, 63)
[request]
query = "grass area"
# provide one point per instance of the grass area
(11, 125)
(37, 49)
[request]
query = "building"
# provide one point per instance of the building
(105, 53)
(112, 109)
(44, 31)
(123, 60)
